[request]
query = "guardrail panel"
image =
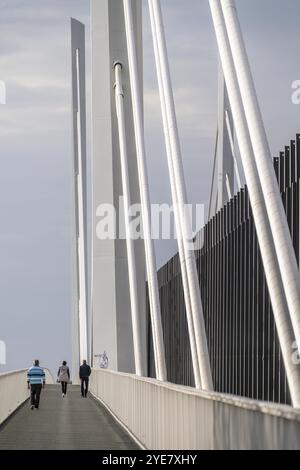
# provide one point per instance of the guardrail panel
(14, 391)
(167, 416)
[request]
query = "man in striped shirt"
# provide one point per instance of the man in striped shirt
(36, 381)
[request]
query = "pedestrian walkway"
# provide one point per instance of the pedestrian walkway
(68, 423)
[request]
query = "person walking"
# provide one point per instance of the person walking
(36, 380)
(84, 374)
(64, 377)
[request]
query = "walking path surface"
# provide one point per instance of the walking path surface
(68, 423)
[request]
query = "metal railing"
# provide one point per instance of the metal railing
(167, 416)
(14, 391)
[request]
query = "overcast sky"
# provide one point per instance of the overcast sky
(36, 145)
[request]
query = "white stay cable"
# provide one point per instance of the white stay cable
(264, 235)
(171, 132)
(231, 141)
(278, 221)
(158, 342)
(189, 315)
(229, 193)
(136, 327)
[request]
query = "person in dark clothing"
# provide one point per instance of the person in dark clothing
(64, 377)
(36, 379)
(84, 375)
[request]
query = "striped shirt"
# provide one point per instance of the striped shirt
(36, 375)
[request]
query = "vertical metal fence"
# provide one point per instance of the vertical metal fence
(243, 344)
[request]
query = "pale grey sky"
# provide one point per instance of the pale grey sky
(36, 146)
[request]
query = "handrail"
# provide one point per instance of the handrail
(11, 372)
(274, 409)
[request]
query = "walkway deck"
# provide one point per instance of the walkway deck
(68, 423)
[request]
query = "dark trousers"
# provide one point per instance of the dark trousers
(64, 386)
(35, 394)
(84, 386)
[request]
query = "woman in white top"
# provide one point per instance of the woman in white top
(64, 377)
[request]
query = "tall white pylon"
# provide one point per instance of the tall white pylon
(177, 179)
(158, 342)
(266, 244)
(83, 341)
(136, 328)
(277, 217)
